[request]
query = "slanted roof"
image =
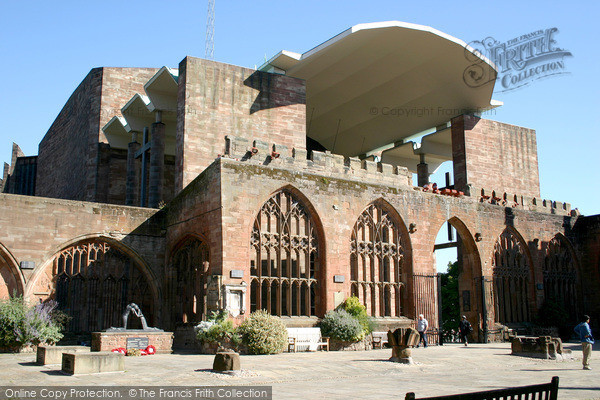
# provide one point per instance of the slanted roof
(379, 83)
(162, 90)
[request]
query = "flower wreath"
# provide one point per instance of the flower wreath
(119, 350)
(148, 351)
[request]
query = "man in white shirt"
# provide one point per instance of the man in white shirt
(422, 326)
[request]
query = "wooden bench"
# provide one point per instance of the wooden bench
(544, 391)
(379, 339)
(306, 339)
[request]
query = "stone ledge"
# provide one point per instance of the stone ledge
(92, 363)
(53, 354)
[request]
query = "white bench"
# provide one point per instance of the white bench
(306, 339)
(379, 339)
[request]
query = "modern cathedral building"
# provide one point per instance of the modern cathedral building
(290, 188)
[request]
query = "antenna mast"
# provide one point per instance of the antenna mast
(209, 52)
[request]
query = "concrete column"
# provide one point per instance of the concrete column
(133, 179)
(422, 172)
(157, 165)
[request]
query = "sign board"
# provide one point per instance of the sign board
(137, 343)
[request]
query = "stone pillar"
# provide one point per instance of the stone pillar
(422, 172)
(131, 185)
(157, 165)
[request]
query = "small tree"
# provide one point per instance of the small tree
(450, 299)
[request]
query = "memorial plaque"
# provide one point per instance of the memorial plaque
(137, 343)
(236, 273)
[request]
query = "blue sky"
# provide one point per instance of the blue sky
(47, 48)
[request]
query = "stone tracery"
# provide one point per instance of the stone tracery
(376, 258)
(93, 283)
(512, 277)
(187, 281)
(285, 265)
(560, 275)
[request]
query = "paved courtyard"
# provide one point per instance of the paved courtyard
(337, 375)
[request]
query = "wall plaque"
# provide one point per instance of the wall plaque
(137, 343)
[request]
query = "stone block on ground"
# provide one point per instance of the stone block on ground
(92, 363)
(53, 354)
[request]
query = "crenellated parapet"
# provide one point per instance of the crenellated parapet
(529, 203)
(323, 163)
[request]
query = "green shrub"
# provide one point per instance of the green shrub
(22, 325)
(355, 308)
(217, 329)
(341, 325)
(263, 333)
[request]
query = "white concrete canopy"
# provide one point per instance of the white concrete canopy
(378, 83)
(136, 115)
(117, 132)
(435, 147)
(162, 91)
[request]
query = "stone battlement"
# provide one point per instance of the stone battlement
(513, 200)
(323, 163)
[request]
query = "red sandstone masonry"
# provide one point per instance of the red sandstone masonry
(350, 186)
(36, 228)
(69, 152)
(494, 155)
(217, 99)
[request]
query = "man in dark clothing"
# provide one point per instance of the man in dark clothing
(464, 328)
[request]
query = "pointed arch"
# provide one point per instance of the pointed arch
(11, 277)
(513, 278)
(93, 278)
(470, 294)
(287, 255)
(561, 273)
(380, 258)
(185, 280)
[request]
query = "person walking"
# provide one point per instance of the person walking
(422, 326)
(587, 340)
(464, 328)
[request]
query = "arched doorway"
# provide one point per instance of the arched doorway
(377, 261)
(461, 283)
(285, 268)
(186, 285)
(93, 280)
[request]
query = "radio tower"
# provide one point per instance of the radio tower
(210, 31)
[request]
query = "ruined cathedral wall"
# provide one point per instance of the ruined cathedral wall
(587, 232)
(196, 212)
(34, 229)
(338, 190)
(216, 99)
(495, 156)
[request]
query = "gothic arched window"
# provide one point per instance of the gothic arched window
(560, 275)
(284, 268)
(376, 258)
(511, 274)
(187, 280)
(94, 283)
